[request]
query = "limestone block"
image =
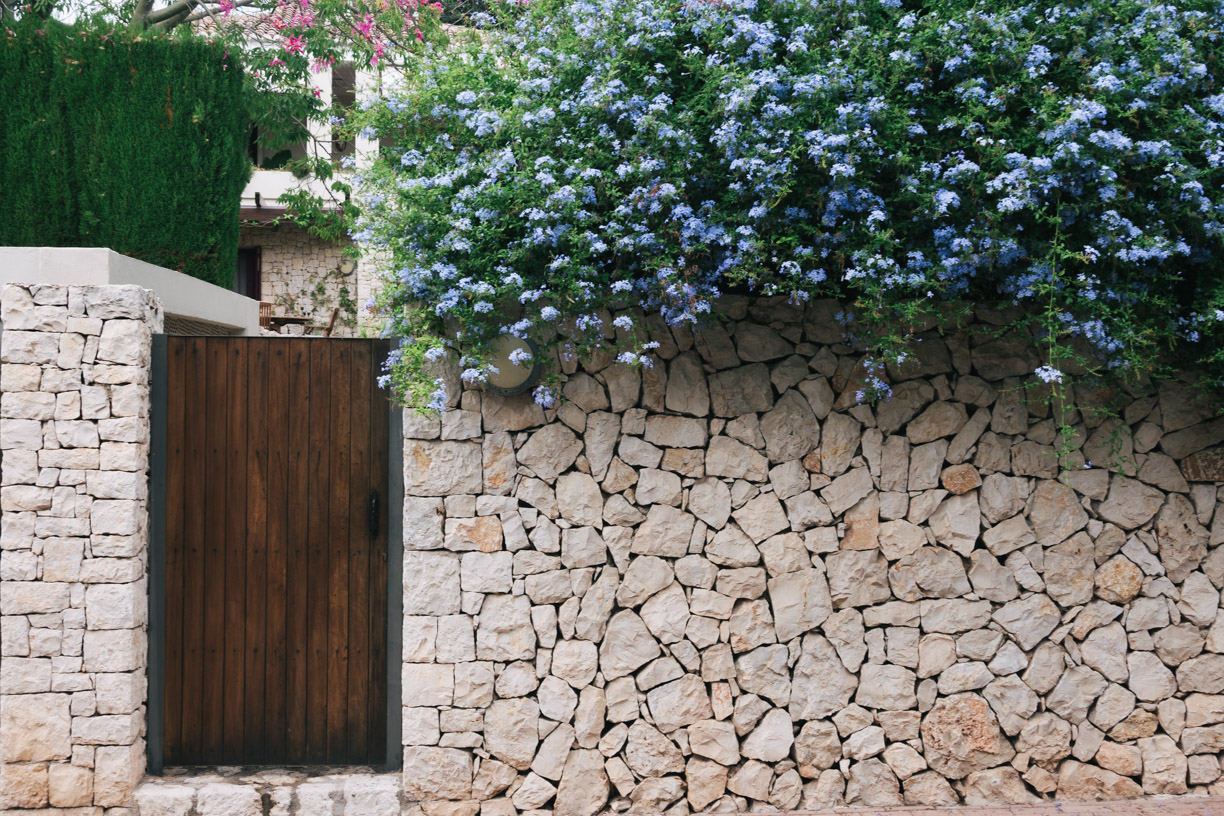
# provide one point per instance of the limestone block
(118, 517)
(114, 650)
(505, 631)
(70, 785)
(25, 498)
(431, 583)
(800, 600)
(25, 675)
(23, 786)
(110, 729)
(375, 795)
(486, 572)
(28, 347)
(961, 735)
(117, 606)
(32, 597)
(1078, 782)
(117, 485)
(20, 434)
(437, 468)
(35, 727)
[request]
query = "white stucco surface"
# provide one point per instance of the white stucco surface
(182, 296)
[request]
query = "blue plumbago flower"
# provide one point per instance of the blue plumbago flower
(1049, 374)
(545, 396)
(437, 398)
(593, 155)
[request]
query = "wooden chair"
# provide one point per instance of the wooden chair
(327, 328)
(265, 315)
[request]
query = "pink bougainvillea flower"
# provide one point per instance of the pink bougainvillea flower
(365, 26)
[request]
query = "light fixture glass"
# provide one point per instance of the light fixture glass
(512, 378)
(347, 265)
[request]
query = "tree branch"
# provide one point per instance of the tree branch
(175, 9)
(141, 13)
(207, 12)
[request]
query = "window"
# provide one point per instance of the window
(247, 277)
(344, 96)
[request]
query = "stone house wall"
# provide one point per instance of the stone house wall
(74, 438)
(720, 583)
(298, 274)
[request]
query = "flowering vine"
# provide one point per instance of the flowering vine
(587, 173)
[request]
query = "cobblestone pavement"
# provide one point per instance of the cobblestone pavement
(1179, 806)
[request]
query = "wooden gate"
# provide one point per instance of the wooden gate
(274, 508)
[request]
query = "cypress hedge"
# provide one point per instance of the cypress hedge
(133, 142)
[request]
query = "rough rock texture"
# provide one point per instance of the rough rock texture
(798, 601)
(74, 436)
(733, 588)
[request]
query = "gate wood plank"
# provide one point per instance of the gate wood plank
(258, 598)
(297, 505)
(338, 541)
(214, 551)
(195, 386)
(277, 422)
(175, 459)
(276, 590)
(236, 546)
(379, 441)
(359, 554)
(318, 567)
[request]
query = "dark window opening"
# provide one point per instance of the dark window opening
(248, 276)
(344, 97)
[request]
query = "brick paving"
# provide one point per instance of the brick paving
(1172, 806)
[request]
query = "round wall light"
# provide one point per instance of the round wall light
(512, 378)
(347, 265)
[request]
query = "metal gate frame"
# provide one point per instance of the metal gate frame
(157, 568)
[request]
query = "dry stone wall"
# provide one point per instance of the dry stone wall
(721, 583)
(74, 437)
(299, 273)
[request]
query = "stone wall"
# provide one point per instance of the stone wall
(299, 273)
(721, 583)
(74, 437)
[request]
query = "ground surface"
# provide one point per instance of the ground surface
(1179, 806)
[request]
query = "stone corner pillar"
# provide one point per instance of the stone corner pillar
(74, 535)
